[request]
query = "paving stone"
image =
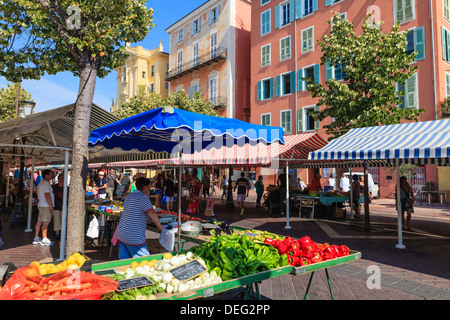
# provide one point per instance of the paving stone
(428, 292)
(443, 296)
(405, 285)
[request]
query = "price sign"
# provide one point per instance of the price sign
(131, 283)
(188, 270)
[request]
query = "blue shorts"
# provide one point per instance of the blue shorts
(127, 251)
(158, 191)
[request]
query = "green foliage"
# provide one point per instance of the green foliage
(145, 100)
(41, 36)
(8, 98)
(445, 108)
(373, 62)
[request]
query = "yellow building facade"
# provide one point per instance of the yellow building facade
(143, 67)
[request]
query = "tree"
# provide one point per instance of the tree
(85, 37)
(372, 64)
(8, 98)
(145, 100)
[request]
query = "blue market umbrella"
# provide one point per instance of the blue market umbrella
(177, 131)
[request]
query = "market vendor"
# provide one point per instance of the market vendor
(315, 184)
(137, 208)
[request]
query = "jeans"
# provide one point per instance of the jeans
(127, 251)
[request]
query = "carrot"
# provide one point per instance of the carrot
(69, 288)
(33, 285)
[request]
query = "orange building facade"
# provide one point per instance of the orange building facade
(284, 48)
(210, 54)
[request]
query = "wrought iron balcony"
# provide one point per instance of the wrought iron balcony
(219, 102)
(211, 57)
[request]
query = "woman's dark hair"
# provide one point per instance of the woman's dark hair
(355, 177)
(46, 172)
(141, 183)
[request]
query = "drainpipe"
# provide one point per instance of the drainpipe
(295, 115)
(434, 61)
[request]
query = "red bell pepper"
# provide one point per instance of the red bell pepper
(333, 250)
(282, 247)
(316, 258)
(269, 241)
(327, 256)
(294, 246)
(295, 252)
(304, 261)
(307, 244)
(343, 251)
(293, 261)
(308, 254)
(288, 241)
(323, 246)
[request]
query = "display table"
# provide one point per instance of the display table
(249, 281)
(442, 195)
(306, 201)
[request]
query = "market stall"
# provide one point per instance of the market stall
(180, 132)
(423, 142)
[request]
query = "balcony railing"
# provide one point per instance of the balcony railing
(206, 59)
(219, 102)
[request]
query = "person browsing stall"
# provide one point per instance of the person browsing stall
(137, 208)
(46, 201)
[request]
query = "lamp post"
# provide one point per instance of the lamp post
(26, 108)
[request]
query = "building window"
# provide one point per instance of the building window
(124, 75)
(308, 7)
(285, 48)
(416, 42)
(410, 45)
(446, 9)
(166, 85)
(342, 16)
(213, 90)
(265, 119)
(195, 53)
(263, 2)
(308, 40)
(409, 99)
(285, 14)
(193, 89)
(180, 35)
(337, 72)
(265, 22)
(213, 45)
(404, 10)
(309, 121)
(179, 61)
(265, 56)
(286, 83)
(267, 88)
(143, 74)
(330, 2)
(152, 71)
(152, 87)
(285, 121)
(308, 72)
(195, 26)
(213, 15)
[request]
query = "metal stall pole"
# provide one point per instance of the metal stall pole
(351, 191)
(287, 196)
(399, 209)
(30, 197)
(7, 185)
(64, 207)
(180, 189)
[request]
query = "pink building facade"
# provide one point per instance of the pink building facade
(284, 48)
(210, 54)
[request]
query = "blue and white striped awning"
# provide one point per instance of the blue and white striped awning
(419, 142)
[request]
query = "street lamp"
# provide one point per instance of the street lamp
(26, 108)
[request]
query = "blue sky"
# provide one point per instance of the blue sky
(53, 91)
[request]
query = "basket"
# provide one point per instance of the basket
(191, 228)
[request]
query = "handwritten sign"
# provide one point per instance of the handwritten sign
(188, 270)
(131, 283)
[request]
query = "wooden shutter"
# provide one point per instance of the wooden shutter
(420, 43)
(298, 9)
(317, 122)
(447, 84)
(315, 5)
(411, 101)
(317, 73)
(400, 16)
(277, 17)
(291, 10)
(299, 120)
(446, 10)
(278, 87)
(293, 81)
(329, 71)
(299, 80)
(408, 9)
(401, 88)
(272, 89)
(327, 2)
(444, 43)
(258, 94)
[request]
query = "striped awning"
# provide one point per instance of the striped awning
(426, 142)
(295, 150)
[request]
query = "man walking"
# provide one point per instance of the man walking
(46, 201)
(111, 182)
(58, 191)
(243, 186)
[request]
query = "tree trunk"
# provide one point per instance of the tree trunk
(76, 204)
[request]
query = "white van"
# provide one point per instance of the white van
(373, 188)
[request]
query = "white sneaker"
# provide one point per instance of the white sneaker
(46, 242)
(37, 240)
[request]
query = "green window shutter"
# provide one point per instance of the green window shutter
(408, 9)
(315, 5)
(299, 80)
(293, 81)
(444, 43)
(291, 10)
(446, 10)
(298, 8)
(420, 43)
(278, 85)
(317, 73)
(400, 15)
(317, 122)
(329, 71)
(277, 17)
(258, 91)
(411, 101)
(300, 120)
(447, 84)
(447, 39)
(272, 89)
(401, 88)
(327, 2)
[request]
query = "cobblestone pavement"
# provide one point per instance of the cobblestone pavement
(420, 271)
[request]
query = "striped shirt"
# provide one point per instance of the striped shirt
(133, 222)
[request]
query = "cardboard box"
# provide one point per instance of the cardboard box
(339, 213)
(154, 246)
